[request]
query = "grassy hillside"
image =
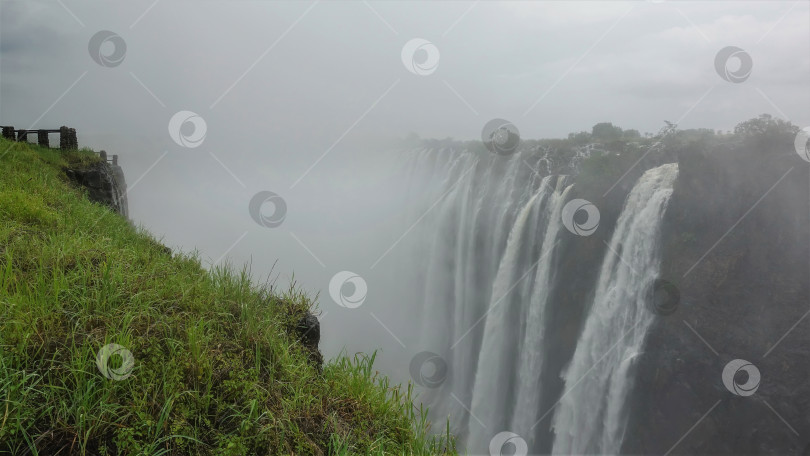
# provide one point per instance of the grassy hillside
(216, 367)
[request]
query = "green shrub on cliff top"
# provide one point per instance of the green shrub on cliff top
(217, 368)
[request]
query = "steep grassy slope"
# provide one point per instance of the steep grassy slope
(216, 367)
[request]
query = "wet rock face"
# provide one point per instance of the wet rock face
(105, 184)
(309, 333)
(738, 302)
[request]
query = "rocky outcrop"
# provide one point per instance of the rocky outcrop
(308, 330)
(105, 184)
(736, 245)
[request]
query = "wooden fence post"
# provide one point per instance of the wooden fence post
(22, 135)
(67, 138)
(63, 138)
(8, 133)
(42, 138)
(74, 142)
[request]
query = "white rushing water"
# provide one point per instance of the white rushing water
(590, 417)
(489, 245)
(473, 212)
(530, 362)
(505, 394)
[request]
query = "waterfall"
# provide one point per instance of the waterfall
(506, 393)
(532, 349)
(590, 417)
(489, 243)
(474, 210)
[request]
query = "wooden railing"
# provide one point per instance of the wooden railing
(67, 139)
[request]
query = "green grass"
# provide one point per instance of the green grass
(217, 367)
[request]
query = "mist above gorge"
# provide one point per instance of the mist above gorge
(366, 119)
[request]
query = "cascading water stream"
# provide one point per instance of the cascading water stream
(491, 243)
(590, 417)
(506, 393)
(475, 209)
(532, 349)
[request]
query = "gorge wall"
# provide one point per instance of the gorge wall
(619, 337)
(735, 240)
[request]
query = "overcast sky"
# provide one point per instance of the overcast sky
(301, 98)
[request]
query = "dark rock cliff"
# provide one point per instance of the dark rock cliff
(735, 254)
(735, 244)
(105, 184)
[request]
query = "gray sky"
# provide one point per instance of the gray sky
(301, 99)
